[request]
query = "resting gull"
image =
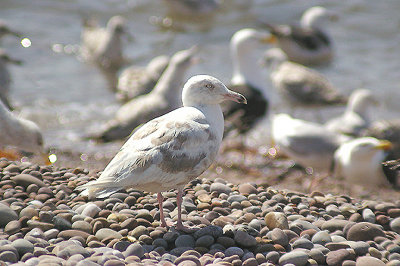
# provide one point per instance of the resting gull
(171, 150)
(19, 133)
(5, 30)
(300, 85)
(104, 45)
(306, 43)
(355, 118)
(165, 97)
(135, 81)
(247, 80)
(359, 161)
(308, 144)
(5, 77)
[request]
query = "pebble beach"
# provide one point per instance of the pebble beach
(43, 221)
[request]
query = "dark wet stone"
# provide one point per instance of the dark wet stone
(185, 241)
(205, 241)
(212, 230)
(6, 215)
(234, 251)
(244, 239)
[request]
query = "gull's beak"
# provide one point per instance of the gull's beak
(268, 40)
(15, 61)
(236, 97)
(384, 145)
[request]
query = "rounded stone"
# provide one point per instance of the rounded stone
(276, 220)
(338, 256)
(6, 215)
(220, 188)
(134, 249)
(23, 246)
(244, 239)
(395, 225)
(25, 180)
(104, 233)
(247, 189)
(297, 258)
(368, 261)
(303, 243)
(8, 256)
(321, 237)
(204, 241)
(185, 241)
(83, 226)
(279, 237)
(12, 227)
(91, 210)
(364, 231)
(234, 251)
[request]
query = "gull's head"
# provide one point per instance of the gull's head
(116, 24)
(249, 39)
(205, 90)
(360, 100)
(5, 58)
(366, 147)
(316, 15)
(185, 58)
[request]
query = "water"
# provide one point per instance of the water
(69, 98)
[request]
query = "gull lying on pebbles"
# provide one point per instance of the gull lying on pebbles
(300, 85)
(104, 45)
(308, 144)
(359, 161)
(5, 30)
(247, 80)
(165, 97)
(306, 43)
(19, 133)
(355, 118)
(135, 81)
(5, 77)
(171, 150)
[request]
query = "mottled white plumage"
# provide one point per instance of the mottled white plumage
(169, 151)
(308, 144)
(355, 118)
(359, 161)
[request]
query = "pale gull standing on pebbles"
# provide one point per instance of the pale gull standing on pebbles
(300, 85)
(359, 161)
(355, 118)
(165, 97)
(306, 43)
(308, 144)
(5, 77)
(247, 79)
(19, 133)
(171, 150)
(135, 81)
(5, 30)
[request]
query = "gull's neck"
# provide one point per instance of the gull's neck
(214, 116)
(246, 70)
(358, 108)
(311, 19)
(170, 83)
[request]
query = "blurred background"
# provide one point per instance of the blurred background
(68, 98)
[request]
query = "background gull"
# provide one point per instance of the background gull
(300, 85)
(388, 130)
(247, 80)
(19, 133)
(359, 161)
(5, 77)
(171, 150)
(308, 144)
(135, 81)
(165, 97)
(305, 43)
(190, 8)
(355, 118)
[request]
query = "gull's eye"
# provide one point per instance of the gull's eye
(210, 86)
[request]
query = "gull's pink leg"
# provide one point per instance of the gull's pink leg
(179, 224)
(160, 199)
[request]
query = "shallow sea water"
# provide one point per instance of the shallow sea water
(69, 98)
